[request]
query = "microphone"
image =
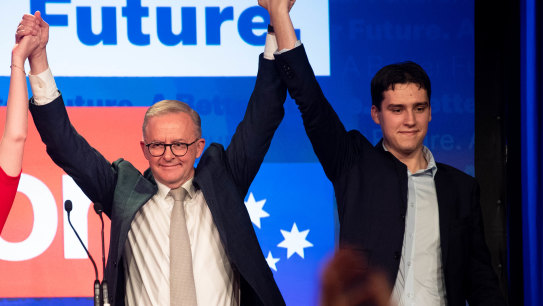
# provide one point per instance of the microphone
(105, 298)
(68, 207)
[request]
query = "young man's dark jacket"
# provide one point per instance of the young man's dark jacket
(370, 186)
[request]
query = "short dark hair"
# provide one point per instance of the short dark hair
(399, 73)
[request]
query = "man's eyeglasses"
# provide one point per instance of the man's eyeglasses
(179, 149)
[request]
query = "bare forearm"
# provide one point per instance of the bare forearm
(16, 127)
(283, 28)
(38, 63)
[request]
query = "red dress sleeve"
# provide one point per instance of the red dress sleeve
(8, 189)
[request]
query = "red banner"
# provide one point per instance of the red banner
(39, 254)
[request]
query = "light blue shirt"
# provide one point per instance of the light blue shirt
(420, 276)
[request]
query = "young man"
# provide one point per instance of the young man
(179, 235)
(417, 220)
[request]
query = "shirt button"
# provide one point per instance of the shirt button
(409, 264)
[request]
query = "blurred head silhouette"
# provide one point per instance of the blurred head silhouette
(348, 281)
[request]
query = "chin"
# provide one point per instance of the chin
(169, 179)
(408, 150)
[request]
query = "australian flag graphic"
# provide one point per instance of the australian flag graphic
(292, 209)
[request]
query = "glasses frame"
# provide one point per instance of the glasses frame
(171, 149)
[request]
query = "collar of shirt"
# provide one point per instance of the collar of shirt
(189, 187)
(163, 190)
(431, 168)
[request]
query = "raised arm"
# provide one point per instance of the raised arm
(69, 150)
(264, 113)
(16, 126)
(327, 134)
(254, 133)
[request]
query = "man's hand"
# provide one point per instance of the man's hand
(23, 48)
(34, 25)
(276, 4)
(280, 19)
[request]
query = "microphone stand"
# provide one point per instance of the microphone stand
(68, 207)
(105, 298)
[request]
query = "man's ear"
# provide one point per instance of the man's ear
(375, 114)
(144, 150)
(200, 145)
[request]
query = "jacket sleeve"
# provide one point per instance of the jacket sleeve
(331, 142)
(253, 135)
(70, 151)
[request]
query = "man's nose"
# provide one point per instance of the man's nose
(168, 154)
(410, 118)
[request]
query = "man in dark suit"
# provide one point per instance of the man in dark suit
(417, 220)
(221, 262)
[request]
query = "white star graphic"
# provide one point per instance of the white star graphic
(255, 209)
(295, 241)
(272, 261)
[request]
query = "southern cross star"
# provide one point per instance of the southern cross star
(295, 241)
(255, 209)
(272, 261)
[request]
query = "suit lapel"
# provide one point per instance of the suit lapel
(445, 201)
(401, 173)
(143, 190)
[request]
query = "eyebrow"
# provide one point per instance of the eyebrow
(395, 105)
(403, 105)
(422, 104)
(173, 141)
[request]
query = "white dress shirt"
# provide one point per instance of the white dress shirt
(147, 263)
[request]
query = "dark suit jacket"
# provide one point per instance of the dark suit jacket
(370, 185)
(224, 176)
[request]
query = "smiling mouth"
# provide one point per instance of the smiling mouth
(170, 166)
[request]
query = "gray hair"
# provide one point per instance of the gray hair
(172, 106)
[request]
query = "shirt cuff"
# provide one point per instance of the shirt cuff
(296, 45)
(43, 87)
(271, 46)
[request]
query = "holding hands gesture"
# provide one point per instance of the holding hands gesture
(31, 39)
